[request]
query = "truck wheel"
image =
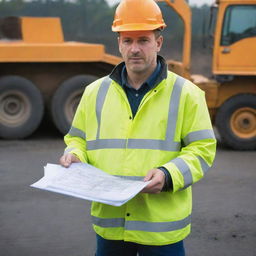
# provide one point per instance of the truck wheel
(66, 100)
(236, 122)
(21, 107)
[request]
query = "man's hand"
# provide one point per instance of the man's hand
(157, 178)
(67, 159)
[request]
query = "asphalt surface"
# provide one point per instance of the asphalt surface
(41, 223)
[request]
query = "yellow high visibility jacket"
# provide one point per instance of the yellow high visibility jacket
(172, 128)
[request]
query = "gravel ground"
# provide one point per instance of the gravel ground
(34, 222)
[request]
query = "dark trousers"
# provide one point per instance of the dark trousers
(121, 248)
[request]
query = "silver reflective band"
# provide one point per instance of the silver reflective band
(168, 144)
(185, 170)
(142, 225)
(153, 144)
(157, 226)
(198, 135)
(76, 132)
(174, 108)
(133, 144)
(108, 223)
(102, 93)
(205, 167)
(68, 150)
(106, 143)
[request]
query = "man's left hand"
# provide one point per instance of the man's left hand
(156, 185)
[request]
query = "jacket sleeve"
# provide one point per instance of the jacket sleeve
(197, 139)
(76, 137)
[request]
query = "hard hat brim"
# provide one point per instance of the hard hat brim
(137, 27)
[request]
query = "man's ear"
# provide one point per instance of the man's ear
(159, 42)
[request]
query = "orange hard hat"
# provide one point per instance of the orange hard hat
(137, 15)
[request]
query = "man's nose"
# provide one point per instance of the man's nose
(135, 47)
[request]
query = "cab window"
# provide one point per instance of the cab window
(239, 23)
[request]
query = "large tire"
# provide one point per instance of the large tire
(21, 107)
(236, 122)
(66, 100)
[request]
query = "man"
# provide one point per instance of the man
(143, 121)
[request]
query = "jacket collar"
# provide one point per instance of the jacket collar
(116, 73)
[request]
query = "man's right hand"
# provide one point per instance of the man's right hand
(67, 159)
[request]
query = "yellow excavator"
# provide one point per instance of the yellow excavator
(40, 72)
(231, 96)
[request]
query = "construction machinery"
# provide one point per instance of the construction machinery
(231, 96)
(39, 70)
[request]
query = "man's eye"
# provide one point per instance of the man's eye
(126, 41)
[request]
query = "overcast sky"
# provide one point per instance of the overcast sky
(191, 2)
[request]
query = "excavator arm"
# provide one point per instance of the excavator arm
(182, 8)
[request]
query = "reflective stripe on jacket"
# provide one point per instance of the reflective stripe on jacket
(172, 128)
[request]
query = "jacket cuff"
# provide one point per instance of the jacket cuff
(168, 186)
(78, 153)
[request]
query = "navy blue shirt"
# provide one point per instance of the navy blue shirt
(135, 96)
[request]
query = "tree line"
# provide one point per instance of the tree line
(91, 20)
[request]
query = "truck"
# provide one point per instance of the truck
(39, 70)
(41, 73)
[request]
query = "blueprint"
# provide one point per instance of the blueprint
(88, 182)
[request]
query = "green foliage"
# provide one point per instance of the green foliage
(90, 20)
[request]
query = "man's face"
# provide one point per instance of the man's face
(139, 50)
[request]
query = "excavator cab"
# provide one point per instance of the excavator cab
(235, 40)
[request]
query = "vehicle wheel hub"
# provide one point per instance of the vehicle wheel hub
(14, 108)
(243, 122)
(12, 105)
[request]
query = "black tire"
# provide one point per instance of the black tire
(236, 122)
(21, 107)
(66, 100)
